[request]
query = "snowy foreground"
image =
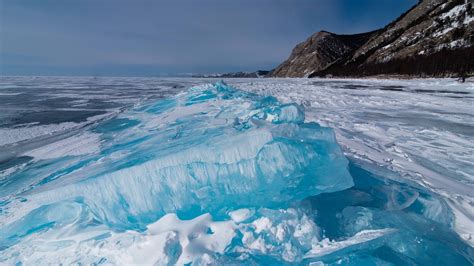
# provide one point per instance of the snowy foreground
(255, 171)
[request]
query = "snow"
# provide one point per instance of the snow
(455, 12)
(443, 32)
(171, 240)
(468, 19)
(456, 43)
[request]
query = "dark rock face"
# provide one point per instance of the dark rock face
(434, 38)
(317, 52)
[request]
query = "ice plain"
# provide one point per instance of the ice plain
(408, 144)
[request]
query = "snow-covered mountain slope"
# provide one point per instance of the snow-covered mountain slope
(434, 38)
(429, 27)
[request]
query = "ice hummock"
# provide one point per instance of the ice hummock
(203, 150)
(121, 196)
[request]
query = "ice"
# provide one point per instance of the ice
(364, 237)
(240, 215)
(200, 151)
(14, 135)
(217, 175)
(421, 129)
(87, 143)
(213, 147)
(423, 249)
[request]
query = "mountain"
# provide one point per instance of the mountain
(256, 74)
(433, 38)
(318, 51)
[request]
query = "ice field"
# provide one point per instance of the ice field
(246, 171)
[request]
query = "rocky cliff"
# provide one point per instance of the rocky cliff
(318, 51)
(434, 38)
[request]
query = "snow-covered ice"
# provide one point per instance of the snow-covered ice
(147, 171)
(421, 129)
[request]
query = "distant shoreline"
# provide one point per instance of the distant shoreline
(469, 79)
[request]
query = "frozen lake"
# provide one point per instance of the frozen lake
(422, 129)
(409, 145)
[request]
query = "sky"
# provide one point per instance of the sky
(171, 37)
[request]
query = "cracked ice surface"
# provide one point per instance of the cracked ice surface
(215, 175)
(422, 129)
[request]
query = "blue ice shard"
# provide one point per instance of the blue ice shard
(203, 150)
